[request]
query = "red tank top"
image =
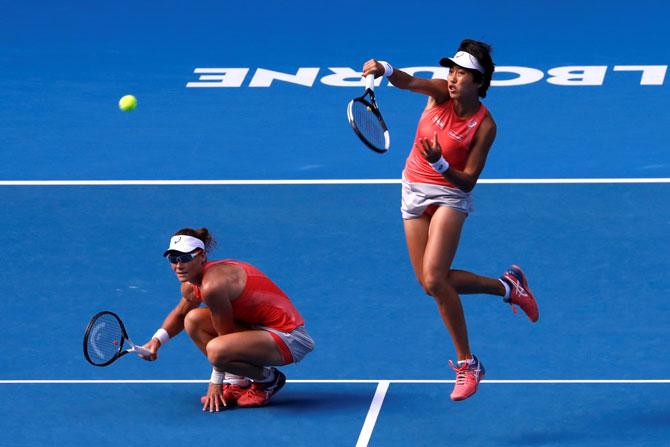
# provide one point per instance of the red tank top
(262, 302)
(455, 136)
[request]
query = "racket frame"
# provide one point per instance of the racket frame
(124, 338)
(372, 106)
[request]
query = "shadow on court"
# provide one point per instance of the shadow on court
(293, 401)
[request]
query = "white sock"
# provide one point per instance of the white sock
(507, 289)
(236, 380)
(468, 361)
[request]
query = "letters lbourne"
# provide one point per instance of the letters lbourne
(505, 76)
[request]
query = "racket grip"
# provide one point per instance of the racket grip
(141, 350)
(370, 82)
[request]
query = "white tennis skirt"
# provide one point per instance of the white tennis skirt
(298, 341)
(416, 197)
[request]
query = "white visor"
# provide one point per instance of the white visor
(463, 59)
(184, 244)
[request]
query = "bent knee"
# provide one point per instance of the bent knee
(434, 284)
(193, 320)
(218, 352)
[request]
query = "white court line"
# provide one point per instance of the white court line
(335, 381)
(373, 412)
(377, 400)
(497, 381)
(194, 182)
(527, 181)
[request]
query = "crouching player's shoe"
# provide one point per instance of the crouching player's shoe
(231, 393)
(468, 376)
(520, 293)
(259, 393)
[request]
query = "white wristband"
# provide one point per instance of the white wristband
(217, 377)
(388, 69)
(162, 336)
(440, 165)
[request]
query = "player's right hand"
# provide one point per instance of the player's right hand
(372, 67)
(152, 346)
(430, 149)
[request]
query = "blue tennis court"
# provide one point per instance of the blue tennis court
(241, 128)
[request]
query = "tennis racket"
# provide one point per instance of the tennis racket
(367, 121)
(106, 340)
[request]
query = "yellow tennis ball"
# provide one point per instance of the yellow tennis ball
(368, 108)
(128, 103)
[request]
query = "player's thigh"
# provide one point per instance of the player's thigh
(416, 235)
(256, 347)
(444, 235)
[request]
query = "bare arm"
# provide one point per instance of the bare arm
(436, 89)
(467, 178)
(217, 294)
(174, 321)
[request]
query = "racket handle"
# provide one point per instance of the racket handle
(141, 350)
(370, 82)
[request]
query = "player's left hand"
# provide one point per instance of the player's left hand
(430, 149)
(214, 400)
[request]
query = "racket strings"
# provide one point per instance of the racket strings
(105, 339)
(368, 124)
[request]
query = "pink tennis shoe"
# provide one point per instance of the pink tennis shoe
(468, 377)
(230, 394)
(259, 394)
(233, 392)
(520, 293)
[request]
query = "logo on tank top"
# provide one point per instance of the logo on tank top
(456, 136)
(460, 137)
(440, 123)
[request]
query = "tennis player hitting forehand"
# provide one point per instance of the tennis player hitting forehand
(453, 138)
(248, 326)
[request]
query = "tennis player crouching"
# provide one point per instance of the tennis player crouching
(248, 326)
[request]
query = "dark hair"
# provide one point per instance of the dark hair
(202, 233)
(482, 51)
